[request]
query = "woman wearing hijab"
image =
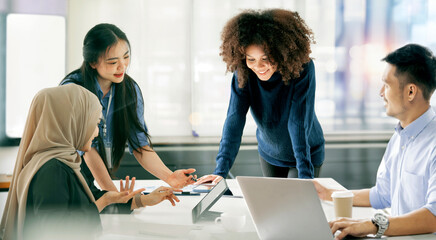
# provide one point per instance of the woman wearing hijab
(49, 197)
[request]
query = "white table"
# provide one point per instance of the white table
(164, 221)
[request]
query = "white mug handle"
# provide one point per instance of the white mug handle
(218, 219)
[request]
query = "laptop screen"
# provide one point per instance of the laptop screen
(285, 208)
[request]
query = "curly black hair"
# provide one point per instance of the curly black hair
(283, 35)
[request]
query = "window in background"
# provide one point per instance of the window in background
(3, 140)
(211, 86)
(175, 56)
(379, 27)
(352, 36)
(159, 35)
(161, 65)
(35, 59)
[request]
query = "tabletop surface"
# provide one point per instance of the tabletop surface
(165, 221)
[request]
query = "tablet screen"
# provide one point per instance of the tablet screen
(201, 209)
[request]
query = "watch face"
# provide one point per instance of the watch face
(381, 219)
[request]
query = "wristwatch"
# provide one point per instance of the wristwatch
(381, 222)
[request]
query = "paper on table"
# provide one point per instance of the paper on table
(188, 189)
(203, 188)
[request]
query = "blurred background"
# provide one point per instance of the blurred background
(175, 60)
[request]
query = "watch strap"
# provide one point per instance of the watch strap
(137, 199)
(381, 228)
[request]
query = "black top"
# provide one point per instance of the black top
(119, 208)
(58, 206)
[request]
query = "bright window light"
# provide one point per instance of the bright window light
(35, 59)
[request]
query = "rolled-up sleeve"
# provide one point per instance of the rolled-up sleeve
(431, 192)
(141, 139)
(379, 195)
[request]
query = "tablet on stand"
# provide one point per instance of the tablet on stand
(201, 211)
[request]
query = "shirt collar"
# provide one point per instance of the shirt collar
(99, 91)
(418, 125)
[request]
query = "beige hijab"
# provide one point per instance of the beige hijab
(61, 120)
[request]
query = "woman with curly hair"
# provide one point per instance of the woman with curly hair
(268, 52)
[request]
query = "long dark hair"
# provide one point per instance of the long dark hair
(97, 41)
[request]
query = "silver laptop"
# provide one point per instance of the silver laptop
(285, 208)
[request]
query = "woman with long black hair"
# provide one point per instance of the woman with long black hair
(106, 57)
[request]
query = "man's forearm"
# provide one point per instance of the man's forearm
(417, 222)
(361, 198)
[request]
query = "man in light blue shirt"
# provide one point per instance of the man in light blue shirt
(408, 169)
(406, 178)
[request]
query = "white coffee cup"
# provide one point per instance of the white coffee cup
(343, 203)
(232, 222)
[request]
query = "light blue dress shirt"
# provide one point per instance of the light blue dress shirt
(406, 178)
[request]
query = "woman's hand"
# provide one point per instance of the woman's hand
(181, 178)
(127, 186)
(120, 197)
(209, 178)
(115, 197)
(158, 195)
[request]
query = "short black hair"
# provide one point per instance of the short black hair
(417, 65)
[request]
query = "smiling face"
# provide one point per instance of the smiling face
(112, 66)
(395, 97)
(259, 62)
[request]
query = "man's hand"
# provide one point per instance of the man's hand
(356, 228)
